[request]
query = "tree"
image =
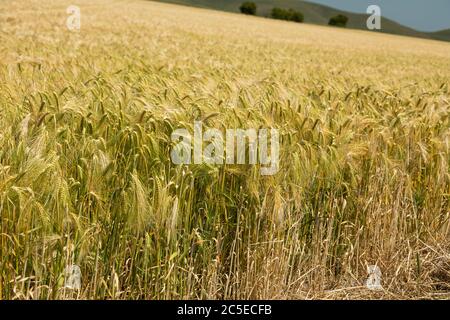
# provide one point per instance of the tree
(248, 8)
(278, 13)
(290, 15)
(338, 21)
(295, 16)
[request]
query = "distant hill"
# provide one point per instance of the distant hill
(315, 14)
(442, 35)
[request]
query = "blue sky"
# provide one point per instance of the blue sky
(423, 15)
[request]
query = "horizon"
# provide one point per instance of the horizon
(433, 15)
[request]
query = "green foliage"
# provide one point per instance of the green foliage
(248, 8)
(86, 176)
(287, 14)
(339, 21)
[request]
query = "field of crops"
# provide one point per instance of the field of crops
(86, 177)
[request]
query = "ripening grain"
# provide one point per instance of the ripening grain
(86, 176)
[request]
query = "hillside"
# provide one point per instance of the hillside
(90, 189)
(314, 13)
(442, 35)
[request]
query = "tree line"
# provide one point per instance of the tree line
(250, 8)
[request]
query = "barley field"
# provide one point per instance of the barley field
(86, 177)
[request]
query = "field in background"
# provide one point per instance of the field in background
(314, 13)
(86, 176)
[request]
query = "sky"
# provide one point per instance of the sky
(422, 15)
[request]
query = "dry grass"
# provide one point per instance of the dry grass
(86, 177)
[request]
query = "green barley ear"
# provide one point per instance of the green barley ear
(87, 181)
